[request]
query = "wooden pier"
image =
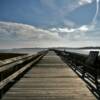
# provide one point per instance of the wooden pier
(49, 79)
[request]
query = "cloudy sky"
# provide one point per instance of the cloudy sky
(49, 23)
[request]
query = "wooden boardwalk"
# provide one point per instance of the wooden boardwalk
(50, 79)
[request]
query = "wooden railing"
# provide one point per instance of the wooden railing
(87, 65)
(9, 72)
(14, 59)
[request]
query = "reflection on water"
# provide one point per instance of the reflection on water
(84, 51)
(81, 51)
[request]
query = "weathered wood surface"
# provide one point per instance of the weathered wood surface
(12, 60)
(50, 79)
(7, 66)
(4, 82)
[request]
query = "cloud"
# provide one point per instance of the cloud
(83, 28)
(60, 9)
(76, 35)
(83, 2)
(22, 35)
(26, 34)
(62, 30)
(23, 31)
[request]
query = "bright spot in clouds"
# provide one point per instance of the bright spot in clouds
(82, 2)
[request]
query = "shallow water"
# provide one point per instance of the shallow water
(82, 51)
(85, 51)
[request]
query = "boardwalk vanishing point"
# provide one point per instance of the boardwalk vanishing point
(49, 79)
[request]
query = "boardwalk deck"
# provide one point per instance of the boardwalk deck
(50, 79)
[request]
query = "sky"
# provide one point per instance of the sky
(49, 23)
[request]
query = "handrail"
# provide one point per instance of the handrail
(13, 58)
(21, 57)
(7, 66)
(14, 75)
(83, 64)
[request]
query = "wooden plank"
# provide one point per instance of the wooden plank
(50, 79)
(11, 77)
(8, 61)
(49, 98)
(7, 66)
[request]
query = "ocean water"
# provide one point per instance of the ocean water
(81, 51)
(34, 51)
